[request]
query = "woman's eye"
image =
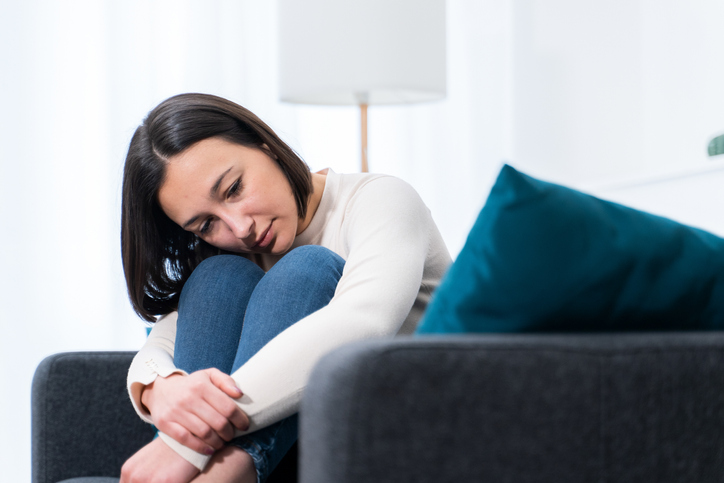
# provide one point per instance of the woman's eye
(234, 189)
(205, 227)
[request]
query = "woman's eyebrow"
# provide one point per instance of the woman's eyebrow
(190, 221)
(215, 188)
(212, 193)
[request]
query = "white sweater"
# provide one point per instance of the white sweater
(394, 260)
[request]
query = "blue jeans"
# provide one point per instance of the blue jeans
(229, 309)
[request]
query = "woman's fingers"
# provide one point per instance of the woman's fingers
(181, 434)
(216, 424)
(224, 382)
(206, 411)
(208, 426)
(224, 405)
(196, 410)
(188, 429)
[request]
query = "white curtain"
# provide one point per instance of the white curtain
(609, 97)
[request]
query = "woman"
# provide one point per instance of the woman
(262, 268)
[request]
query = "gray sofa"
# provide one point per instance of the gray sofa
(83, 425)
(499, 408)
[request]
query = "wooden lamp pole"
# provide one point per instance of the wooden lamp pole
(363, 125)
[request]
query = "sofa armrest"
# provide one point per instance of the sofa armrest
(82, 421)
(545, 408)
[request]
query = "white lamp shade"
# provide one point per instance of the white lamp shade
(361, 51)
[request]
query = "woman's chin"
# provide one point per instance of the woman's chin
(275, 247)
(279, 247)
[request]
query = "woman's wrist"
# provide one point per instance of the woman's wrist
(145, 397)
(148, 391)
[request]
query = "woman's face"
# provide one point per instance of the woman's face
(233, 197)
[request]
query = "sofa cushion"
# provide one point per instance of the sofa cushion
(542, 257)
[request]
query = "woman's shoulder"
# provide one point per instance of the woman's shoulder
(375, 196)
(374, 186)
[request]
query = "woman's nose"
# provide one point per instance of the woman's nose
(241, 226)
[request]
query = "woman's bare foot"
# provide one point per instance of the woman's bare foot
(230, 464)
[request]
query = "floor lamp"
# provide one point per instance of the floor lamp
(361, 52)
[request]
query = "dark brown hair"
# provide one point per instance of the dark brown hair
(158, 255)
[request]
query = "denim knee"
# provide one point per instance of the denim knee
(211, 312)
(301, 283)
(223, 269)
(309, 266)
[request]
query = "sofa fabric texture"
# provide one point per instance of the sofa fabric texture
(83, 425)
(518, 408)
(545, 258)
(82, 422)
(511, 408)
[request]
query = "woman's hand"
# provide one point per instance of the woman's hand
(157, 462)
(196, 410)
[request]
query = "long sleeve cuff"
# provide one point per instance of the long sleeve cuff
(197, 459)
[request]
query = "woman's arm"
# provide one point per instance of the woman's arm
(194, 409)
(386, 237)
(154, 359)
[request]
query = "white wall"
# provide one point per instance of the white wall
(610, 97)
(615, 96)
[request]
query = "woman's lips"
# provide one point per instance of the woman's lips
(266, 238)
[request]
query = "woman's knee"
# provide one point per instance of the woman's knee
(222, 271)
(211, 312)
(309, 265)
(220, 280)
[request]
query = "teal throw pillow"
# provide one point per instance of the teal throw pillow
(544, 258)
